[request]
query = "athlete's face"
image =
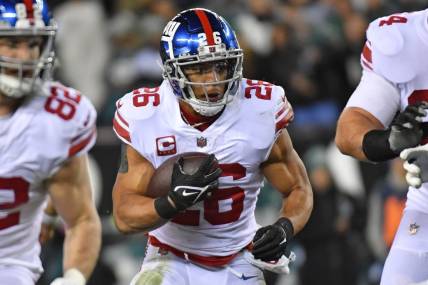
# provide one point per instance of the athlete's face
(208, 72)
(20, 48)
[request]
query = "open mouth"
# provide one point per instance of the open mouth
(16, 73)
(214, 97)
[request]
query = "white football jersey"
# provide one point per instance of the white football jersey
(149, 120)
(396, 52)
(35, 140)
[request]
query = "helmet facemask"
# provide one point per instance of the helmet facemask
(20, 77)
(225, 68)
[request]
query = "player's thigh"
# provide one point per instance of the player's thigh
(17, 275)
(407, 261)
(404, 267)
(161, 268)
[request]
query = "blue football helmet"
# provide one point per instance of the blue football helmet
(26, 19)
(199, 36)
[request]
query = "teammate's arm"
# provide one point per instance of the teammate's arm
(71, 195)
(353, 124)
(361, 135)
(132, 211)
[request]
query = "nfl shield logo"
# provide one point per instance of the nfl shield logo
(201, 142)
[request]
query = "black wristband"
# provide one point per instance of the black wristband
(164, 208)
(286, 224)
(376, 146)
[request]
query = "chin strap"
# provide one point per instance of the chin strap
(13, 87)
(207, 111)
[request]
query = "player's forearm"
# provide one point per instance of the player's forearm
(297, 207)
(352, 126)
(135, 213)
(82, 245)
(349, 141)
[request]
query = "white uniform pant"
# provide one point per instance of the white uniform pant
(17, 275)
(167, 269)
(407, 262)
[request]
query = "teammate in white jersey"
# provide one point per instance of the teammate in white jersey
(394, 79)
(46, 130)
(204, 105)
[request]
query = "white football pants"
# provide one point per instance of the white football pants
(17, 275)
(407, 262)
(167, 269)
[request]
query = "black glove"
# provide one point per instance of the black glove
(406, 127)
(404, 132)
(269, 243)
(188, 189)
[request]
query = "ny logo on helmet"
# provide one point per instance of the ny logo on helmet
(170, 29)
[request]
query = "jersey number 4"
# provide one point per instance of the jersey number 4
(13, 193)
(394, 19)
(212, 212)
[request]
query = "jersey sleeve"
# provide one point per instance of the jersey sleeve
(85, 132)
(67, 124)
(386, 52)
(283, 111)
(120, 121)
(129, 111)
(377, 96)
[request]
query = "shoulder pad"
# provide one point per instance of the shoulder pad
(284, 113)
(269, 98)
(393, 47)
(386, 38)
(137, 105)
(75, 116)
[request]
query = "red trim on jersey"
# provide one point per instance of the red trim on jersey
(366, 64)
(204, 260)
(73, 140)
(367, 53)
(29, 6)
(82, 144)
(124, 134)
(206, 26)
(76, 138)
(280, 112)
(122, 119)
(418, 96)
(118, 104)
(284, 121)
(193, 118)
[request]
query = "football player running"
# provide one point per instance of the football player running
(46, 130)
(395, 80)
(205, 105)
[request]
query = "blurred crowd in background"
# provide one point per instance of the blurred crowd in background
(311, 48)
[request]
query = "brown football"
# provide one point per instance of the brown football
(160, 182)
